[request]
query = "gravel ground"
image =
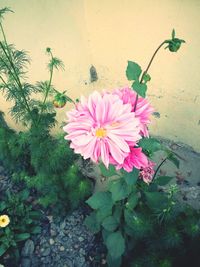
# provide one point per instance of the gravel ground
(65, 243)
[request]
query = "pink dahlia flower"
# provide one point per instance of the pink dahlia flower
(143, 109)
(135, 159)
(102, 127)
(147, 173)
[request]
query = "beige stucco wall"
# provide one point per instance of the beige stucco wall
(107, 33)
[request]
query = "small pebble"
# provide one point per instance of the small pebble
(81, 239)
(51, 241)
(62, 248)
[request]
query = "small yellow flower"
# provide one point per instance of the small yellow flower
(4, 220)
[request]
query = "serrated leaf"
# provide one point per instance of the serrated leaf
(110, 223)
(133, 71)
(163, 180)
(131, 177)
(100, 200)
(119, 190)
(150, 145)
(107, 172)
(115, 244)
(92, 223)
(139, 88)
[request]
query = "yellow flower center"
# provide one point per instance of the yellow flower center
(101, 132)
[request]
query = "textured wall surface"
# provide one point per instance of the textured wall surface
(106, 34)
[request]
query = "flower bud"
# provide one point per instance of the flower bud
(60, 100)
(175, 43)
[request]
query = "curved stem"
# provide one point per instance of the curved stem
(143, 74)
(159, 166)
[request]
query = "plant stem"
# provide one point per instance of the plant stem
(49, 85)
(48, 89)
(15, 75)
(143, 74)
(159, 166)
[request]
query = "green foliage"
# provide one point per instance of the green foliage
(119, 190)
(131, 177)
(133, 71)
(107, 172)
(24, 221)
(136, 218)
(150, 145)
(139, 88)
(40, 161)
(115, 244)
(163, 180)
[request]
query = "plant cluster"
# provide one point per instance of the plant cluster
(19, 222)
(144, 224)
(138, 214)
(37, 160)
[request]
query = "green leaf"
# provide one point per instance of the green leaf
(174, 160)
(4, 11)
(92, 223)
(113, 262)
(139, 88)
(101, 214)
(128, 216)
(100, 200)
(105, 234)
(156, 200)
(35, 214)
(2, 206)
(163, 180)
(150, 145)
(117, 212)
(133, 71)
(110, 223)
(146, 78)
(132, 201)
(115, 244)
(2, 250)
(21, 237)
(36, 230)
(107, 172)
(24, 194)
(119, 190)
(131, 177)
(173, 34)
